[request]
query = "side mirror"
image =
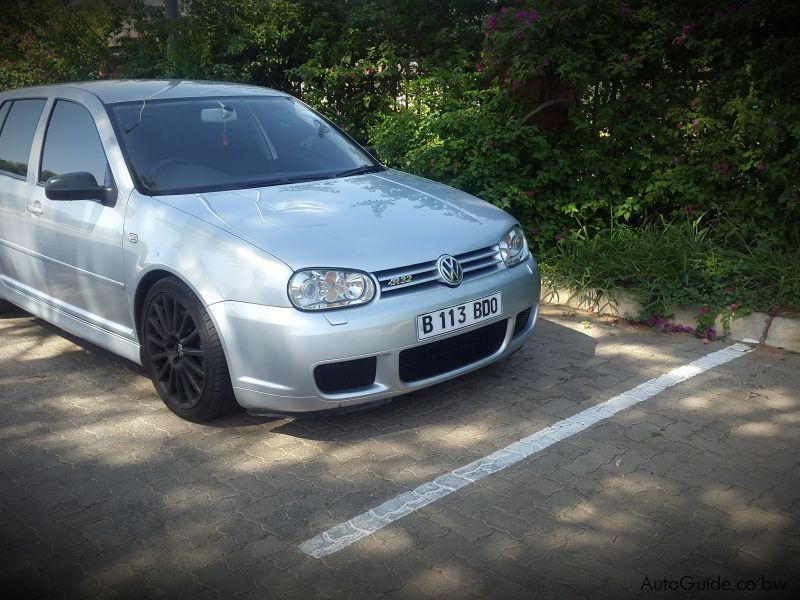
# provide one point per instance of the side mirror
(79, 186)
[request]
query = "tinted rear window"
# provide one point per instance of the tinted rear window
(16, 137)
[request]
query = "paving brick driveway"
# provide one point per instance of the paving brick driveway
(104, 493)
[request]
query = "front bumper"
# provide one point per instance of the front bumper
(272, 351)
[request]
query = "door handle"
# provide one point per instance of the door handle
(35, 208)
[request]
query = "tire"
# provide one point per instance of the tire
(183, 354)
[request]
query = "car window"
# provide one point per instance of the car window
(205, 144)
(3, 110)
(72, 143)
(16, 138)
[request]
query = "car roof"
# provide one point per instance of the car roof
(132, 90)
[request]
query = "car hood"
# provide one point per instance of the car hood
(367, 222)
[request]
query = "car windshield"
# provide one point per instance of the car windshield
(212, 144)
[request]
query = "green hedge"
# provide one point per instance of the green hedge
(679, 108)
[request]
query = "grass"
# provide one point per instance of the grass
(683, 263)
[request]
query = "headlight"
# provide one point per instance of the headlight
(513, 247)
(319, 289)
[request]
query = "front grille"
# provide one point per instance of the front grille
(522, 320)
(451, 353)
(426, 276)
(346, 375)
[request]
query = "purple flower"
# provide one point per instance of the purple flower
(687, 209)
(532, 17)
(760, 167)
(659, 322)
(729, 290)
(703, 310)
(529, 194)
(680, 39)
(711, 334)
(695, 123)
(733, 307)
(680, 329)
(520, 16)
(491, 23)
(504, 10)
(479, 67)
(689, 26)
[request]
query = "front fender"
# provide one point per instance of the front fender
(214, 263)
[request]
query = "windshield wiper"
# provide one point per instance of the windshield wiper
(359, 171)
(285, 180)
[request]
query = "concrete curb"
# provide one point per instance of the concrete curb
(757, 327)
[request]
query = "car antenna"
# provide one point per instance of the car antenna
(141, 112)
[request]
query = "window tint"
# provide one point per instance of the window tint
(72, 143)
(16, 137)
(3, 110)
(205, 144)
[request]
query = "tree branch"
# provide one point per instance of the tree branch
(542, 106)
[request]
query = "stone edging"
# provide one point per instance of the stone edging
(757, 327)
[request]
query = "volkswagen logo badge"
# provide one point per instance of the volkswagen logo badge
(450, 270)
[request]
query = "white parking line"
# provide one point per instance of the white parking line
(367, 523)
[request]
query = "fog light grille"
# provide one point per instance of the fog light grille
(522, 320)
(347, 375)
(451, 353)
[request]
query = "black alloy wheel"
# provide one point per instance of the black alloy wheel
(183, 353)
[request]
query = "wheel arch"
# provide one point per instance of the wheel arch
(153, 276)
(147, 281)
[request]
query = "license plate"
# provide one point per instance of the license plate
(457, 317)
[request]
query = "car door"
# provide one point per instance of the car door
(77, 244)
(19, 118)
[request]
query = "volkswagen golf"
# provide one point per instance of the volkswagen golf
(244, 249)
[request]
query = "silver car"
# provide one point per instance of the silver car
(245, 250)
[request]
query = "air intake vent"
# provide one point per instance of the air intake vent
(347, 375)
(522, 320)
(451, 353)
